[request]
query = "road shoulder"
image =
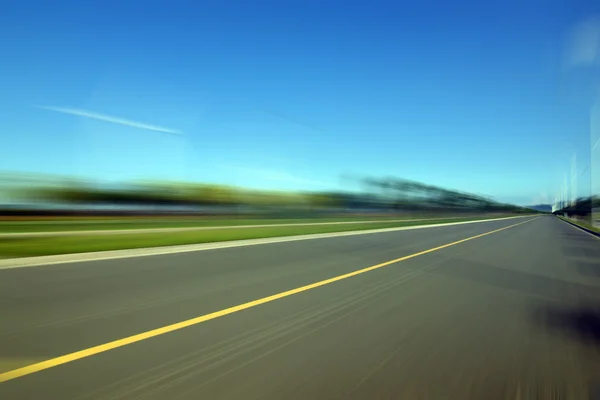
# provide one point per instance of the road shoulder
(580, 226)
(142, 252)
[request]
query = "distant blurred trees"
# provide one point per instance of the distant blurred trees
(407, 194)
(378, 193)
(582, 207)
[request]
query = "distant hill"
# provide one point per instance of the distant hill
(541, 207)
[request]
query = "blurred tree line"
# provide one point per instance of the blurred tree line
(384, 194)
(582, 207)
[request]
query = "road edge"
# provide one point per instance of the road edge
(108, 232)
(12, 263)
(583, 228)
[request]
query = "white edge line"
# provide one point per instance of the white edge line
(165, 250)
(109, 232)
(572, 224)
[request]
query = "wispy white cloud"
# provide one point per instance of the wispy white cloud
(111, 119)
(542, 198)
(287, 118)
(584, 43)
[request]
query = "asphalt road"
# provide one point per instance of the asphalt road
(506, 315)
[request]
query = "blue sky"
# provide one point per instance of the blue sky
(293, 94)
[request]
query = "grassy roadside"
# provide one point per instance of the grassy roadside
(154, 223)
(38, 246)
(583, 224)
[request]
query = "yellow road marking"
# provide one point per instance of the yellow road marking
(67, 358)
(10, 363)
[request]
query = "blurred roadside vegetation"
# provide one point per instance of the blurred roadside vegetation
(37, 194)
(581, 207)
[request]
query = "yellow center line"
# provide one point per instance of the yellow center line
(67, 358)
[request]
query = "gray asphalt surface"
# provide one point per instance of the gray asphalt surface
(510, 315)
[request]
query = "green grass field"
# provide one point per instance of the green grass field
(154, 223)
(38, 246)
(106, 224)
